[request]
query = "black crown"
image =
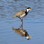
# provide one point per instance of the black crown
(29, 8)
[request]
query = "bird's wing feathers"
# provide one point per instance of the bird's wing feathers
(20, 13)
(20, 31)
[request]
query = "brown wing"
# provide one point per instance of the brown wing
(20, 13)
(20, 31)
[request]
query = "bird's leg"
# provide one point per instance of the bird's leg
(22, 23)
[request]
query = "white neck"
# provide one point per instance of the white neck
(27, 37)
(27, 10)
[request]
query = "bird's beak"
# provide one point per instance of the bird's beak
(30, 9)
(30, 37)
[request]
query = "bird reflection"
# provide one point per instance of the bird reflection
(23, 33)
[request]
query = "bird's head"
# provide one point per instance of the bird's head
(29, 9)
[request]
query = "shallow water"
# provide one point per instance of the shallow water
(33, 23)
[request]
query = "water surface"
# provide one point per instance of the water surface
(33, 23)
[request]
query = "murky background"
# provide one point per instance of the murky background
(33, 23)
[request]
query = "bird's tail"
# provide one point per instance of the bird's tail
(13, 28)
(14, 16)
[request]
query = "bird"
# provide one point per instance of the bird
(23, 33)
(23, 13)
